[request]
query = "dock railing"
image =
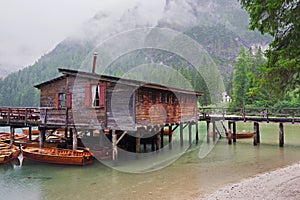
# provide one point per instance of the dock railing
(23, 115)
(20, 116)
(264, 114)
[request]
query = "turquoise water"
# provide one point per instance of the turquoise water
(186, 178)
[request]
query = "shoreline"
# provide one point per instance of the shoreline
(282, 183)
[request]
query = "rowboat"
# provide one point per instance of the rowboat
(5, 137)
(8, 153)
(57, 156)
(33, 132)
(243, 134)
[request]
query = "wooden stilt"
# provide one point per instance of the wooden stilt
(281, 135)
(190, 133)
(162, 137)
(138, 145)
(114, 146)
(255, 134)
(233, 132)
(181, 134)
(197, 132)
(145, 146)
(12, 135)
(42, 137)
(207, 131)
(101, 140)
(258, 134)
(152, 145)
(214, 131)
(71, 135)
(170, 136)
(75, 141)
(30, 133)
(158, 141)
(170, 133)
(66, 132)
(229, 133)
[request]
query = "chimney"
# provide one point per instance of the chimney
(94, 62)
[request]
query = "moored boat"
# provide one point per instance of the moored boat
(8, 152)
(5, 137)
(57, 156)
(243, 134)
(33, 132)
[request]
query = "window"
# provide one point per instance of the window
(160, 97)
(166, 98)
(95, 95)
(61, 100)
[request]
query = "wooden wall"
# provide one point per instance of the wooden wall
(160, 107)
(49, 92)
(125, 107)
(83, 113)
(120, 106)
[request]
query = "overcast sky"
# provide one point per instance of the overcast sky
(31, 28)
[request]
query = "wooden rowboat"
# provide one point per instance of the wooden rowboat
(57, 156)
(242, 135)
(33, 132)
(5, 137)
(8, 153)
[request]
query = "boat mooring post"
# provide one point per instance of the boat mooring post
(281, 135)
(256, 136)
(12, 135)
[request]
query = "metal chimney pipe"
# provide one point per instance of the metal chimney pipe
(94, 62)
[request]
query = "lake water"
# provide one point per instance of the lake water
(187, 177)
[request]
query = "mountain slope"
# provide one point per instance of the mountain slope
(220, 26)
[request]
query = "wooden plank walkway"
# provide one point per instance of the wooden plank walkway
(276, 115)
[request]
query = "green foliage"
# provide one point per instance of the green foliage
(246, 89)
(281, 19)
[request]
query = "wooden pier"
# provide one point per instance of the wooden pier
(255, 115)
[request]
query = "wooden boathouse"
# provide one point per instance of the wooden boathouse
(122, 109)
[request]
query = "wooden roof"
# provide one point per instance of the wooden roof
(131, 82)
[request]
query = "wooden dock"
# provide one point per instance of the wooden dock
(46, 118)
(255, 115)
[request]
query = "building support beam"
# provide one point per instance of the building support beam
(114, 146)
(75, 141)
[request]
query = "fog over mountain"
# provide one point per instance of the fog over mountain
(219, 26)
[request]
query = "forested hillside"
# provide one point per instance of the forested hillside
(218, 25)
